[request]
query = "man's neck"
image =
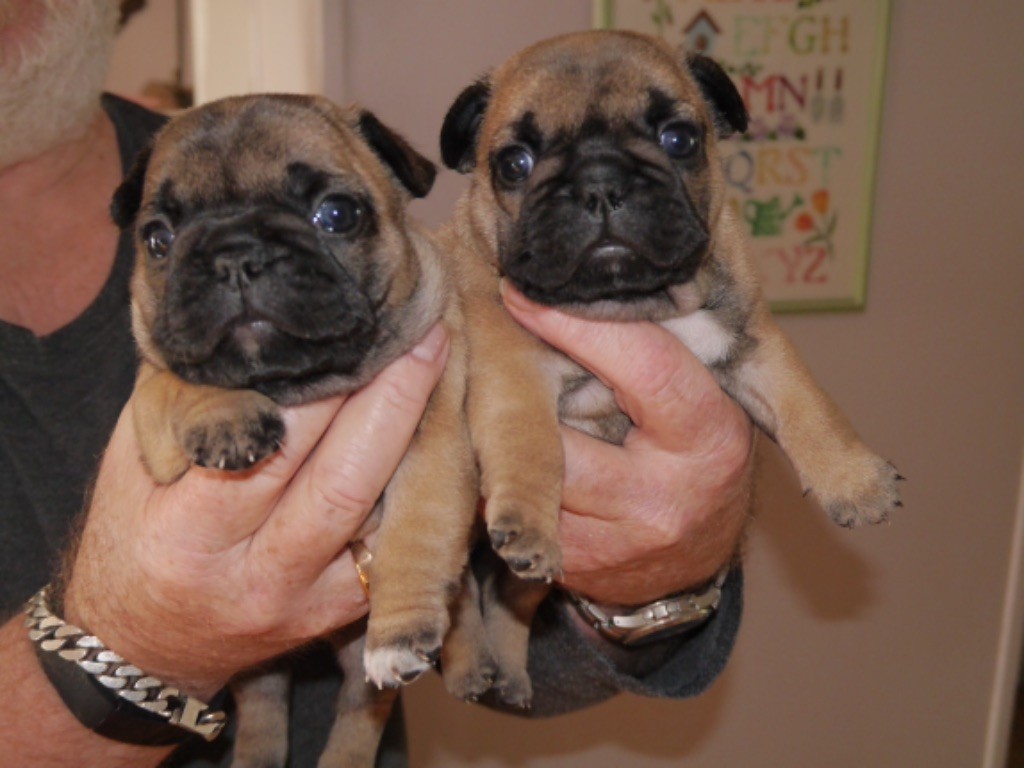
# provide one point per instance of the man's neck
(44, 174)
(59, 243)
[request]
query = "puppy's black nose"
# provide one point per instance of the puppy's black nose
(601, 187)
(236, 255)
(238, 265)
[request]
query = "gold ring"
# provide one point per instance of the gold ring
(362, 557)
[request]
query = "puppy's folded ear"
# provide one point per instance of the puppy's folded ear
(461, 126)
(124, 207)
(415, 171)
(727, 107)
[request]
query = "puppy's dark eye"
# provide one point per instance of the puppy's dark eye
(514, 164)
(338, 215)
(680, 140)
(158, 238)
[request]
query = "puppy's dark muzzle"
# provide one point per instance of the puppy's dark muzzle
(256, 297)
(240, 249)
(608, 228)
(263, 265)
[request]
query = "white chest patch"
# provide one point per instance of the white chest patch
(590, 401)
(703, 335)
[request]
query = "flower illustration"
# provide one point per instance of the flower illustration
(805, 222)
(820, 229)
(820, 200)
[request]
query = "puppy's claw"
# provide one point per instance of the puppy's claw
(389, 668)
(430, 656)
(237, 437)
(522, 538)
(514, 690)
(403, 654)
(469, 679)
(862, 490)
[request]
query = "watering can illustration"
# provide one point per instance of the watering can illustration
(766, 217)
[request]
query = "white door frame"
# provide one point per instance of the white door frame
(259, 46)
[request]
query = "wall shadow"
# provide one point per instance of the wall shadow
(818, 559)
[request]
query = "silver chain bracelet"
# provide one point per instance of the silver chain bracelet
(52, 635)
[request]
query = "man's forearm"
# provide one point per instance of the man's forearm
(38, 729)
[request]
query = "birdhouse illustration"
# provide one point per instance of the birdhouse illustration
(701, 33)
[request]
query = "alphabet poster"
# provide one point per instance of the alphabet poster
(801, 179)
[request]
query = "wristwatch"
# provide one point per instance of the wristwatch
(664, 618)
(108, 694)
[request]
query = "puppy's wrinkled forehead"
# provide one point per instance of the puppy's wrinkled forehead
(240, 151)
(570, 81)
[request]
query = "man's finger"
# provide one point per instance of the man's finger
(597, 477)
(666, 391)
(335, 490)
(335, 599)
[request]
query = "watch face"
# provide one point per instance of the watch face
(660, 620)
(655, 633)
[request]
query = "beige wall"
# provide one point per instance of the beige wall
(874, 648)
(146, 49)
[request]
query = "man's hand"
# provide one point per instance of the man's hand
(664, 511)
(195, 581)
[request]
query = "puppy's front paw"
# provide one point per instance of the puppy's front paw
(526, 540)
(399, 658)
(861, 490)
(237, 437)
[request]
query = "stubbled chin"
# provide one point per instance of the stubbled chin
(64, 54)
(20, 26)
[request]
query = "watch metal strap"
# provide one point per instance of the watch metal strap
(108, 694)
(662, 618)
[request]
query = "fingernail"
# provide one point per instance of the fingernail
(431, 346)
(514, 298)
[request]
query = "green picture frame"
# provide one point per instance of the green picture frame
(801, 180)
